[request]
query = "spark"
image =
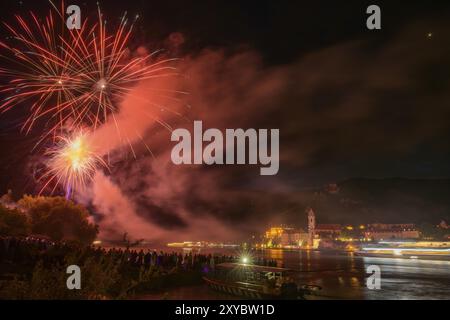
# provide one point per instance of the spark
(72, 79)
(72, 76)
(72, 163)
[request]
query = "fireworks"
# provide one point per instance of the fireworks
(72, 163)
(74, 77)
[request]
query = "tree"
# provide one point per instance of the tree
(59, 219)
(13, 222)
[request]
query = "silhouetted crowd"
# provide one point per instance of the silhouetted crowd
(28, 251)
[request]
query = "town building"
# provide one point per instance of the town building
(285, 237)
(328, 231)
(311, 226)
(384, 231)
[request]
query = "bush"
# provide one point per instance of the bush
(99, 280)
(13, 222)
(59, 219)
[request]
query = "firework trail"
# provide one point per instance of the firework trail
(72, 78)
(72, 163)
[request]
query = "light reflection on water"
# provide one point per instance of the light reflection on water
(411, 279)
(343, 275)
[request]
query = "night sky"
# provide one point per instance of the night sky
(349, 103)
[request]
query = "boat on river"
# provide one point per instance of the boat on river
(423, 250)
(257, 282)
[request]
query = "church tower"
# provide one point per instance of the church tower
(311, 226)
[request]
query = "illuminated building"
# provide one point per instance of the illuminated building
(285, 237)
(328, 231)
(332, 188)
(311, 227)
(275, 232)
(288, 237)
(294, 239)
(443, 225)
(383, 231)
(336, 236)
(200, 244)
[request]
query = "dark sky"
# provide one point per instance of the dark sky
(353, 102)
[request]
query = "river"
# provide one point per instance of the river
(343, 276)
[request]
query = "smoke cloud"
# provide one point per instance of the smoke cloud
(334, 105)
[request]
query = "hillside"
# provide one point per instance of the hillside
(393, 200)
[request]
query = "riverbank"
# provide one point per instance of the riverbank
(30, 270)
